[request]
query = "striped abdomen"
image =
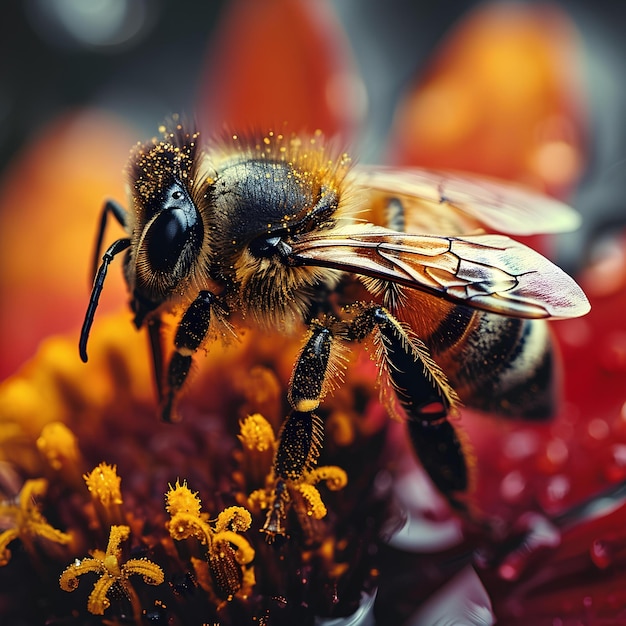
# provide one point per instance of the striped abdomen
(495, 363)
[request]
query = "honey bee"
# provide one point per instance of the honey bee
(280, 231)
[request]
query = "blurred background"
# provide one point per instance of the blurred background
(530, 91)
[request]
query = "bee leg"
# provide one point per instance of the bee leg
(115, 248)
(99, 267)
(424, 393)
(301, 435)
(120, 214)
(190, 333)
(155, 334)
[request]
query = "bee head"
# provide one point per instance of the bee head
(169, 235)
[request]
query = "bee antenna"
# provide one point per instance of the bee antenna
(115, 248)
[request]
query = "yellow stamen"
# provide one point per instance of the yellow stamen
(180, 499)
(227, 552)
(256, 434)
(315, 506)
(104, 484)
(27, 521)
(108, 564)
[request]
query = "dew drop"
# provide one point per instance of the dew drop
(555, 456)
(598, 429)
(512, 486)
(556, 489)
(616, 468)
(557, 451)
(508, 571)
(521, 444)
(600, 554)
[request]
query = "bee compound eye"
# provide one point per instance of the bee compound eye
(263, 247)
(172, 232)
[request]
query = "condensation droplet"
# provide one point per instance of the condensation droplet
(598, 429)
(615, 470)
(619, 454)
(512, 486)
(600, 554)
(521, 444)
(557, 488)
(508, 571)
(556, 453)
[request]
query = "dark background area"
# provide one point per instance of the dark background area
(144, 61)
(141, 59)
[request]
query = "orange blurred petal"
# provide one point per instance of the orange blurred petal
(280, 61)
(50, 201)
(503, 97)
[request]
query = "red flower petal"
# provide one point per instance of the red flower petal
(501, 97)
(50, 199)
(276, 62)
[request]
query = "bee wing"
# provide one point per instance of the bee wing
(500, 206)
(489, 272)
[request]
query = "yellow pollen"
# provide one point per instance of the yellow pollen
(58, 444)
(104, 484)
(180, 499)
(304, 406)
(256, 433)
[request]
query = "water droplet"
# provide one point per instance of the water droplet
(557, 451)
(512, 486)
(508, 571)
(615, 470)
(557, 488)
(600, 554)
(598, 429)
(554, 457)
(521, 444)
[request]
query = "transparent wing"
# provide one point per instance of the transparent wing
(488, 272)
(498, 205)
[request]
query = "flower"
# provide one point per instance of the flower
(361, 537)
(217, 565)
(112, 572)
(278, 497)
(104, 485)
(226, 550)
(469, 111)
(26, 522)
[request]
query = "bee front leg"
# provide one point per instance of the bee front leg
(121, 216)
(424, 393)
(190, 334)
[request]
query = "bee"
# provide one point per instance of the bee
(280, 231)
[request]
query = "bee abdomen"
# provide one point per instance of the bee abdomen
(496, 363)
